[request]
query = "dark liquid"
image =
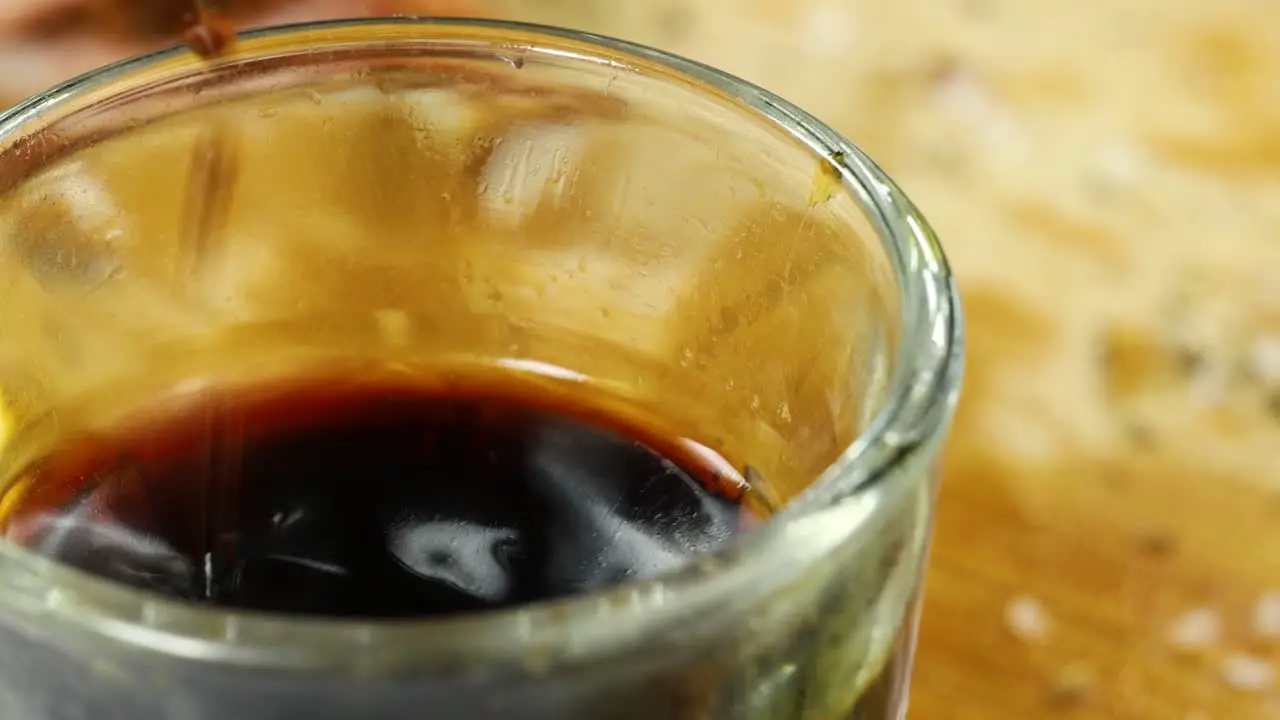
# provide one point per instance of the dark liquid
(207, 29)
(375, 501)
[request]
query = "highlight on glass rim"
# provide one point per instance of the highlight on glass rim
(379, 359)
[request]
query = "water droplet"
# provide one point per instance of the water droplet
(55, 598)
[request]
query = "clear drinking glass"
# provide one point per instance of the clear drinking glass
(413, 196)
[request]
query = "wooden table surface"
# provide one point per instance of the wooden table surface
(1106, 177)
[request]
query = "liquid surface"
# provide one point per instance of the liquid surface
(380, 501)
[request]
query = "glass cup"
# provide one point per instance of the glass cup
(408, 196)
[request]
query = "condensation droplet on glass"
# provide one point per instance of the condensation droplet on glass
(686, 357)
(755, 402)
(557, 164)
(62, 262)
(784, 413)
(55, 598)
(315, 97)
(559, 183)
(66, 235)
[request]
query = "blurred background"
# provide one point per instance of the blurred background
(1106, 177)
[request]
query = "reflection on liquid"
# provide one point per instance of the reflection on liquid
(470, 558)
(372, 502)
(618, 515)
(122, 553)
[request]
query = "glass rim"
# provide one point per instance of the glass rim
(918, 407)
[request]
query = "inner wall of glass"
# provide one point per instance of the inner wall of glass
(572, 219)
(444, 210)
